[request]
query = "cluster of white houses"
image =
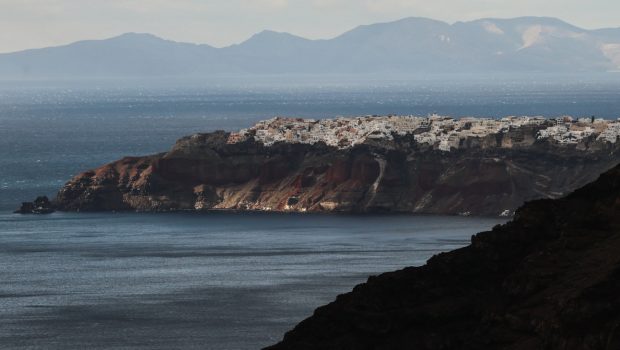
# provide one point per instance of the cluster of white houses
(444, 132)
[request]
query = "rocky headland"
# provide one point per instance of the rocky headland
(549, 279)
(396, 164)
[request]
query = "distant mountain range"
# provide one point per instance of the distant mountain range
(407, 46)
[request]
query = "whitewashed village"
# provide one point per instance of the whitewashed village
(441, 131)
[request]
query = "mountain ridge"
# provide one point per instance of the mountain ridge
(411, 45)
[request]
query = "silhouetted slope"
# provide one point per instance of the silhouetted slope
(549, 279)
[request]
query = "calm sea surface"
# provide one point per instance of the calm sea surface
(214, 281)
(186, 281)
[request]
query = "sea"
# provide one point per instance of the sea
(216, 280)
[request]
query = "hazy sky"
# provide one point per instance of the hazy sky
(39, 23)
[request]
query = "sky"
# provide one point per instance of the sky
(28, 24)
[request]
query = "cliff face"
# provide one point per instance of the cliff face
(549, 279)
(485, 176)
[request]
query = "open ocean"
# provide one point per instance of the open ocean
(209, 281)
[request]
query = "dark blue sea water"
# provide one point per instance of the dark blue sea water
(184, 281)
(216, 281)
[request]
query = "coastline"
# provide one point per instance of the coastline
(396, 165)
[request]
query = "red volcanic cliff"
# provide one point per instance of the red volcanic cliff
(485, 176)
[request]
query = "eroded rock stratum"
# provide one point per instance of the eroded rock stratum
(387, 164)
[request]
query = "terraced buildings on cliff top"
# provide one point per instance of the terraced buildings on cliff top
(444, 133)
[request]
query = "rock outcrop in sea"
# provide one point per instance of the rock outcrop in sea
(371, 164)
(41, 205)
(549, 279)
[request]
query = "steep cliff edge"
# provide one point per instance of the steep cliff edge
(549, 279)
(491, 174)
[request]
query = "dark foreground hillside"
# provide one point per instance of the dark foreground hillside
(549, 279)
